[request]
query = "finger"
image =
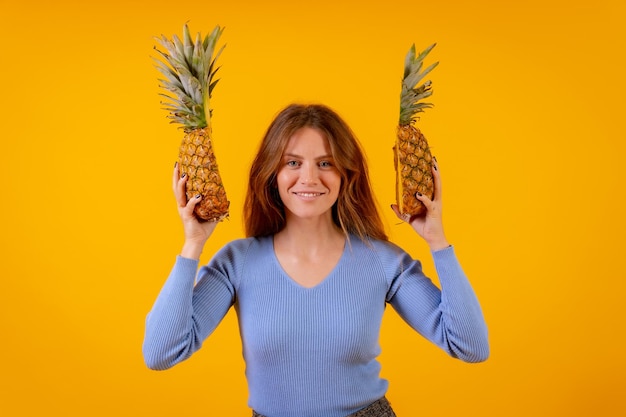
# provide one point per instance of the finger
(396, 210)
(187, 211)
(175, 176)
(404, 217)
(428, 203)
(176, 184)
(436, 180)
(191, 204)
(180, 191)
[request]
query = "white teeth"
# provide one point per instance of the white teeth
(308, 194)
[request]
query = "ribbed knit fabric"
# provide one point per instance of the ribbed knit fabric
(311, 352)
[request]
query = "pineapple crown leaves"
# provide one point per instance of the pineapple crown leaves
(412, 93)
(189, 69)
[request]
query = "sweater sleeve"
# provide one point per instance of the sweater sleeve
(185, 313)
(450, 317)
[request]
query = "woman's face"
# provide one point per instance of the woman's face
(308, 181)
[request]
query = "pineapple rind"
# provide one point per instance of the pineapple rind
(197, 160)
(413, 161)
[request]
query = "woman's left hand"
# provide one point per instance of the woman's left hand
(428, 225)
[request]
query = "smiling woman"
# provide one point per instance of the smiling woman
(311, 281)
(308, 182)
(264, 212)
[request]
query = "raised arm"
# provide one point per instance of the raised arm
(184, 313)
(450, 317)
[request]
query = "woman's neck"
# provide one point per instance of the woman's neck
(310, 235)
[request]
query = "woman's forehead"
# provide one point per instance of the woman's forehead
(308, 139)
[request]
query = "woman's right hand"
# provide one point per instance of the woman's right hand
(196, 233)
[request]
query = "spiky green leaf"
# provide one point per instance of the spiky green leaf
(188, 67)
(412, 93)
(187, 44)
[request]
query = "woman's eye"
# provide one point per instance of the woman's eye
(325, 164)
(292, 164)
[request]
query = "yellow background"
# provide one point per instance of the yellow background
(527, 127)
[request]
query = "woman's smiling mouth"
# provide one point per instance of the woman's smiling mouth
(307, 194)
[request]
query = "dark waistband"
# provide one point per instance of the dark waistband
(379, 408)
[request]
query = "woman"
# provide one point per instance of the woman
(311, 280)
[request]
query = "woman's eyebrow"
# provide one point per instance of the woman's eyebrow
(293, 155)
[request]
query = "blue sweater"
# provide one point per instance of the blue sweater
(312, 352)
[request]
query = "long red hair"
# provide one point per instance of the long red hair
(355, 211)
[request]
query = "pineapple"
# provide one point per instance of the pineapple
(413, 160)
(189, 70)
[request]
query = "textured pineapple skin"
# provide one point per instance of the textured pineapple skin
(197, 160)
(413, 164)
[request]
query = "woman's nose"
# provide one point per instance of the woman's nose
(309, 175)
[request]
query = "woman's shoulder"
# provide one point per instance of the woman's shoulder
(383, 252)
(386, 258)
(243, 245)
(234, 256)
(378, 246)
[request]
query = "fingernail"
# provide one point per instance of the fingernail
(175, 164)
(198, 196)
(435, 166)
(183, 176)
(435, 158)
(420, 194)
